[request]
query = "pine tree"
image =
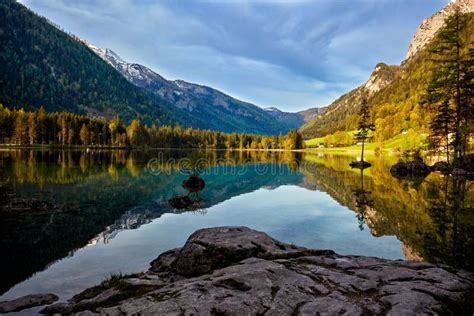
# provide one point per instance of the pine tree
(84, 134)
(114, 127)
(364, 126)
(448, 90)
(6, 124)
(135, 133)
(41, 125)
(442, 126)
(21, 128)
(32, 128)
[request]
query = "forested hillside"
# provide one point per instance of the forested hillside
(43, 66)
(64, 129)
(397, 106)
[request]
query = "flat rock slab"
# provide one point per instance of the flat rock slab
(27, 302)
(239, 271)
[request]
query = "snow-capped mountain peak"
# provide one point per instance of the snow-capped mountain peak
(272, 109)
(213, 108)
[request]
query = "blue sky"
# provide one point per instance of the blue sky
(289, 54)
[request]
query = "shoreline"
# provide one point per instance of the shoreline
(83, 147)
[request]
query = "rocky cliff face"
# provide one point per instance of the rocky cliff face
(240, 271)
(381, 77)
(327, 121)
(428, 28)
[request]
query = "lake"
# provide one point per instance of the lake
(112, 212)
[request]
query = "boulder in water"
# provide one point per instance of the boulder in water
(410, 170)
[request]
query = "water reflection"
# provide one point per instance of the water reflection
(433, 219)
(451, 210)
(103, 193)
(363, 200)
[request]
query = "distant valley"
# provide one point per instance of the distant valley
(212, 108)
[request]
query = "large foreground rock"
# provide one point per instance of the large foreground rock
(239, 271)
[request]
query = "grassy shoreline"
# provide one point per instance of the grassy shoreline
(337, 150)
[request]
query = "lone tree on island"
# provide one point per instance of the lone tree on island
(363, 129)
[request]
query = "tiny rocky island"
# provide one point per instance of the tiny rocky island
(240, 271)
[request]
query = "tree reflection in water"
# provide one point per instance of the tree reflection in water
(450, 213)
(432, 217)
(363, 200)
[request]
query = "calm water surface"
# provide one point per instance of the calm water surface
(113, 213)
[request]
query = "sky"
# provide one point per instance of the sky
(288, 54)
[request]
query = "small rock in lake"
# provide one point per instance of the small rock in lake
(12, 204)
(360, 164)
(57, 309)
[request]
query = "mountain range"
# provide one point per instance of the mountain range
(44, 66)
(211, 108)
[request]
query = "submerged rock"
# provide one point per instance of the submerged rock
(456, 172)
(27, 301)
(410, 170)
(194, 183)
(180, 202)
(462, 174)
(240, 271)
(12, 204)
